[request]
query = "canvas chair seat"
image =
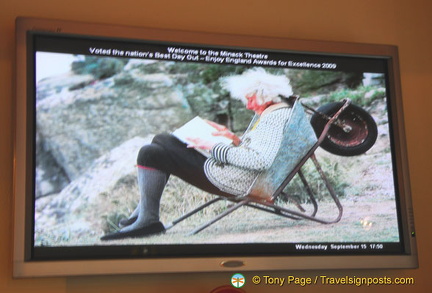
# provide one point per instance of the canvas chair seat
(299, 137)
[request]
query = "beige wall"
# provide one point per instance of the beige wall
(407, 24)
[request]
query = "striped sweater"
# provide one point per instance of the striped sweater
(233, 169)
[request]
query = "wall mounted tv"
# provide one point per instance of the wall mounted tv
(90, 96)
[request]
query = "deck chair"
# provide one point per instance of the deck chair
(299, 145)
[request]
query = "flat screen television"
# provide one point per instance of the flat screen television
(89, 96)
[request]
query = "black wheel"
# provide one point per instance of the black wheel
(354, 132)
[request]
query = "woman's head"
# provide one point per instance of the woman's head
(265, 88)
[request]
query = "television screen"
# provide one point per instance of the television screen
(106, 183)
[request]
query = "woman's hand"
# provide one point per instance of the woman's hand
(198, 143)
(224, 131)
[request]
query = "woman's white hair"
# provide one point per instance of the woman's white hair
(267, 87)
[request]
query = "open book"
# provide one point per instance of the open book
(199, 128)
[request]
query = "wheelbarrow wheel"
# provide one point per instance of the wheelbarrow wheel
(354, 133)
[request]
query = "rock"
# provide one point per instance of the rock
(54, 85)
(85, 195)
(372, 79)
(50, 177)
(375, 93)
(78, 126)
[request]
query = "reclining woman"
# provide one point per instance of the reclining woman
(230, 170)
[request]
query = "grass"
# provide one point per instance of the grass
(248, 224)
(357, 96)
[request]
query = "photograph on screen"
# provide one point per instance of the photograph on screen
(97, 103)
